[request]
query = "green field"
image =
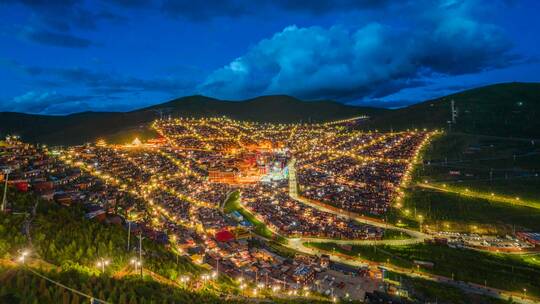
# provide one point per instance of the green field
(233, 204)
(524, 189)
(390, 234)
(507, 272)
(484, 165)
(504, 166)
(463, 213)
(425, 291)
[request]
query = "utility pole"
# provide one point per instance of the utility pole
(217, 267)
(140, 252)
(6, 172)
(454, 111)
(129, 235)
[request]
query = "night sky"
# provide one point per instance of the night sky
(64, 56)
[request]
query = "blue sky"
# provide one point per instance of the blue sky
(65, 56)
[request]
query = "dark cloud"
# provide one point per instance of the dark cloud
(203, 10)
(453, 88)
(44, 103)
(371, 61)
(66, 15)
(133, 3)
(377, 103)
(53, 103)
(111, 83)
(101, 82)
(106, 83)
(325, 6)
(55, 39)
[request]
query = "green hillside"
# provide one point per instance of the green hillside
(88, 126)
(64, 246)
(507, 110)
(275, 108)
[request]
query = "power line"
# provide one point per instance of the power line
(483, 159)
(91, 298)
(482, 180)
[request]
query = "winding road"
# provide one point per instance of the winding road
(416, 236)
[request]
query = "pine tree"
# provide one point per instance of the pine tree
(122, 299)
(132, 300)
(65, 297)
(46, 295)
(101, 294)
(42, 286)
(20, 281)
(75, 299)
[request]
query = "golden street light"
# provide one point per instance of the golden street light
(102, 263)
(22, 257)
(136, 263)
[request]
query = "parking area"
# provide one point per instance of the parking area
(341, 285)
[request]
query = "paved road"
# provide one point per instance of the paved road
(297, 244)
(486, 196)
(416, 237)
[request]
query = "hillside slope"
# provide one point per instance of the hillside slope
(88, 126)
(274, 108)
(508, 110)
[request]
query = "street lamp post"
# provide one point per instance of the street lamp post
(129, 234)
(23, 256)
(102, 263)
(6, 172)
(140, 253)
(135, 263)
(217, 267)
(184, 279)
(242, 287)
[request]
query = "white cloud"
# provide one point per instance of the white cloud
(373, 60)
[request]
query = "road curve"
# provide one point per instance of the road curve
(416, 236)
(298, 245)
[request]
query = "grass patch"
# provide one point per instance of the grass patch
(425, 291)
(527, 188)
(233, 204)
(475, 156)
(467, 214)
(508, 272)
(390, 234)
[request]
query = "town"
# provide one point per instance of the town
(227, 194)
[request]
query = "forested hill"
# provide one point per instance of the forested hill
(88, 126)
(508, 110)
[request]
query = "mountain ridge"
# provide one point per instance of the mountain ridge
(508, 109)
(505, 109)
(77, 128)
